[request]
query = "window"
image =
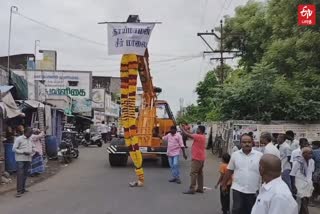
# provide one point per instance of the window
(73, 83)
(162, 112)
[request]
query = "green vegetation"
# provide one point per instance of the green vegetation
(278, 76)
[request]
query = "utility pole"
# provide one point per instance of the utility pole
(221, 51)
(13, 9)
(36, 43)
(181, 100)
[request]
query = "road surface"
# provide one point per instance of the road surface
(90, 186)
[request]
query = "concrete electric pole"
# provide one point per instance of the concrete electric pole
(221, 51)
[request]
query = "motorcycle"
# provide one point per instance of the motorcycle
(68, 149)
(64, 153)
(79, 137)
(92, 139)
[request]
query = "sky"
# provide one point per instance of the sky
(176, 60)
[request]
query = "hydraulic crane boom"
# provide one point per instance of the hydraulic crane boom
(147, 112)
(142, 134)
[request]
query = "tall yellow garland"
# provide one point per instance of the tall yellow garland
(129, 73)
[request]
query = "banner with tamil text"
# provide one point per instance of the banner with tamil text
(129, 38)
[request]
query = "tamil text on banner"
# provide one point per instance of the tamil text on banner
(129, 38)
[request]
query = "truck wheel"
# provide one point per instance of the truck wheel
(164, 161)
(118, 159)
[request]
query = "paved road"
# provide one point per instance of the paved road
(90, 186)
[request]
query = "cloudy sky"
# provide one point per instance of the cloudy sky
(175, 50)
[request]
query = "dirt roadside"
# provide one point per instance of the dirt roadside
(53, 167)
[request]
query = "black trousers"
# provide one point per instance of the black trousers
(22, 174)
(225, 200)
(304, 206)
(242, 202)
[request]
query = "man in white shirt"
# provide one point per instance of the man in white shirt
(266, 139)
(302, 170)
(244, 165)
(285, 155)
(103, 130)
(303, 142)
(274, 195)
(23, 149)
(293, 143)
(195, 128)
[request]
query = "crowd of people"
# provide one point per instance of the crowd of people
(272, 176)
(278, 175)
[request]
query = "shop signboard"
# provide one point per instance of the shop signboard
(75, 84)
(98, 117)
(81, 106)
(98, 98)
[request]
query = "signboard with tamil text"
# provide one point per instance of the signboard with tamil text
(129, 38)
(75, 84)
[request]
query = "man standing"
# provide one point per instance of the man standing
(195, 128)
(104, 131)
(301, 173)
(266, 139)
(285, 154)
(114, 130)
(293, 143)
(303, 142)
(198, 152)
(23, 148)
(274, 195)
(175, 145)
(244, 165)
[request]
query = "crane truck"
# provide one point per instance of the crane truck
(153, 120)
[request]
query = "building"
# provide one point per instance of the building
(111, 84)
(48, 61)
(104, 108)
(19, 61)
(45, 85)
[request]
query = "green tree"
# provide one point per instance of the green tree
(278, 77)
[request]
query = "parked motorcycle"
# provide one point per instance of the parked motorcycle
(65, 151)
(79, 137)
(92, 139)
(68, 148)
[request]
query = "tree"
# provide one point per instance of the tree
(278, 77)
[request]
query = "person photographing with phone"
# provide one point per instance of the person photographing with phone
(23, 149)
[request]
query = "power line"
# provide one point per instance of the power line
(221, 75)
(223, 8)
(169, 68)
(61, 31)
(204, 13)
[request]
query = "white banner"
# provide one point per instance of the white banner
(98, 98)
(98, 117)
(129, 38)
